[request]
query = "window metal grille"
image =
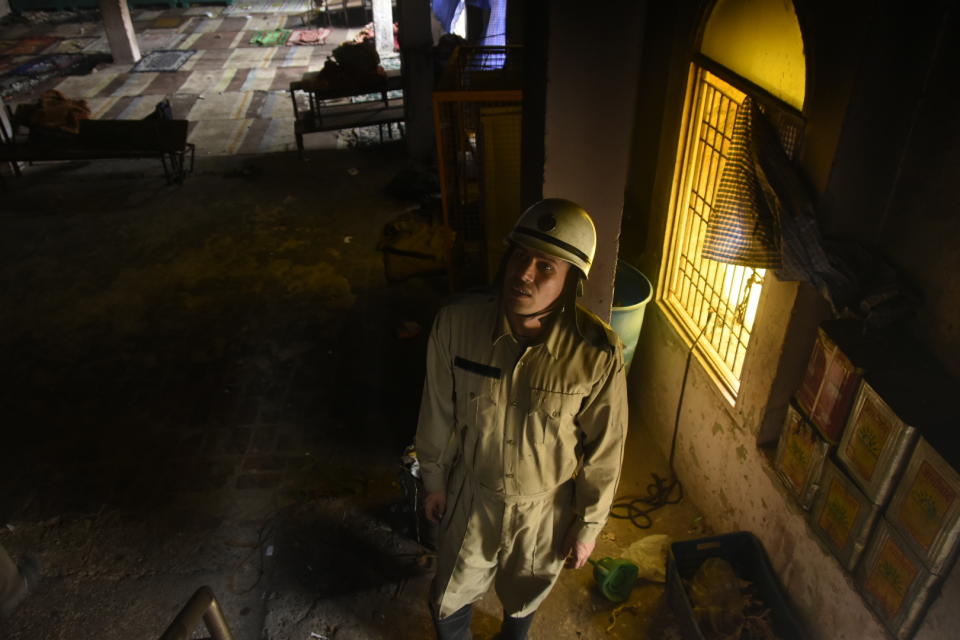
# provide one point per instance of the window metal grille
(714, 304)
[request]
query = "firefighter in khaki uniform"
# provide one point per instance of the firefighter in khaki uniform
(522, 426)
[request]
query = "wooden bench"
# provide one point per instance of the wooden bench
(105, 140)
(317, 107)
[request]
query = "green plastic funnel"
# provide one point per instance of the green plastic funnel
(615, 577)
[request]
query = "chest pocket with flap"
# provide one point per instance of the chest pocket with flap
(552, 413)
(476, 385)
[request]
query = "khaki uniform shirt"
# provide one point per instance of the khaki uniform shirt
(522, 422)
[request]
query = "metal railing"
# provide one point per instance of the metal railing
(203, 605)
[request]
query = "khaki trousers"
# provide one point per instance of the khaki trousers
(509, 542)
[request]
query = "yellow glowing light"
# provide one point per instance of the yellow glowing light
(760, 40)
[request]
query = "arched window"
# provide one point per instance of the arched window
(749, 48)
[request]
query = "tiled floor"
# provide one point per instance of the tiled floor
(233, 93)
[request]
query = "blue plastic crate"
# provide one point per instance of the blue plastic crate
(745, 553)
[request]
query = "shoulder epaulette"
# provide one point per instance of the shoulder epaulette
(595, 331)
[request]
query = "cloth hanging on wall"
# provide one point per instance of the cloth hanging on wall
(856, 281)
(447, 12)
(742, 229)
(764, 217)
(496, 32)
(804, 256)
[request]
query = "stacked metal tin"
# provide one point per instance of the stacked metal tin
(832, 378)
(801, 453)
(860, 450)
(815, 419)
(871, 455)
(916, 540)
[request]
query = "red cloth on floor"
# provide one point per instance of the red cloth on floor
(309, 36)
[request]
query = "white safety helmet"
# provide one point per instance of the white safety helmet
(560, 228)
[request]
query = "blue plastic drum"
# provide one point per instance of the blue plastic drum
(631, 293)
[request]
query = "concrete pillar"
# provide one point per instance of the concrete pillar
(591, 93)
(383, 27)
(416, 50)
(120, 34)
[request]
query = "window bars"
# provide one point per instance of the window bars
(701, 295)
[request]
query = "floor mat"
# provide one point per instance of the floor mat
(162, 61)
(167, 22)
(98, 45)
(207, 25)
(207, 11)
(309, 36)
(155, 40)
(48, 63)
(268, 6)
(221, 106)
(208, 81)
(298, 56)
(72, 45)
(248, 58)
(29, 45)
(219, 137)
(134, 84)
(87, 86)
(40, 69)
(11, 62)
(275, 37)
(266, 22)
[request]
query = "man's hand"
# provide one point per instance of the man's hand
(435, 504)
(576, 553)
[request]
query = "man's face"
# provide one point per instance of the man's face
(533, 281)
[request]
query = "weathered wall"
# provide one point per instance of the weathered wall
(884, 173)
(587, 141)
(920, 227)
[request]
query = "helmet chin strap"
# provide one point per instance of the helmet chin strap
(537, 314)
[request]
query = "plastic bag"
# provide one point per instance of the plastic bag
(650, 556)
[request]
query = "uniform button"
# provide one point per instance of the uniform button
(509, 441)
(509, 475)
(556, 414)
(515, 403)
(472, 395)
